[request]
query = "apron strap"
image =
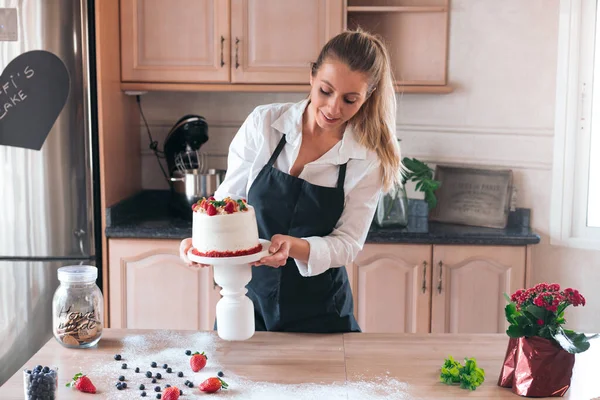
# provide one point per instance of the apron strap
(276, 152)
(341, 176)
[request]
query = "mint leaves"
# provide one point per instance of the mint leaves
(469, 376)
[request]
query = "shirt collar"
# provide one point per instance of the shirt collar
(290, 124)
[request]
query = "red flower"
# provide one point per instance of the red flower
(540, 322)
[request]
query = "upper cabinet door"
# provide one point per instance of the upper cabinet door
(274, 41)
(175, 41)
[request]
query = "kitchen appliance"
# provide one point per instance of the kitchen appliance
(49, 197)
(184, 140)
(192, 185)
(189, 175)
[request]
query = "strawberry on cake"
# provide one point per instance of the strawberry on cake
(224, 228)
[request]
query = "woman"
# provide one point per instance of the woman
(314, 171)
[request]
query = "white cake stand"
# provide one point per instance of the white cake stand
(235, 311)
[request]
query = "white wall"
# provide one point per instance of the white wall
(502, 64)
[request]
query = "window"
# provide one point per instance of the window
(575, 217)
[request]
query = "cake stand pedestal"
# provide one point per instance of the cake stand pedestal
(235, 311)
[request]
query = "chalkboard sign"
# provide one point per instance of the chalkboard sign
(33, 91)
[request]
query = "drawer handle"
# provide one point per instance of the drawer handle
(441, 264)
(222, 60)
(424, 287)
(237, 41)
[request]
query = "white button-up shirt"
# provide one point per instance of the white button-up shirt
(254, 144)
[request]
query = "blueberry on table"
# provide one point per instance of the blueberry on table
(124, 366)
(165, 366)
(142, 387)
(158, 375)
(220, 374)
(45, 370)
(180, 374)
(169, 370)
(119, 386)
(124, 385)
(117, 357)
(158, 396)
(167, 385)
(153, 380)
(148, 374)
(153, 364)
(121, 378)
(137, 369)
(180, 392)
(157, 389)
(188, 352)
(143, 394)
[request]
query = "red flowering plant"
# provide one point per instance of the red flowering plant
(539, 311)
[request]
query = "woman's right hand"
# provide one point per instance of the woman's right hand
(184, 247)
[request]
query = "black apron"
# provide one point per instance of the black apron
(283, 299)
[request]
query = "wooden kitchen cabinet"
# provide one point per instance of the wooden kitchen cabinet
(224, 41)
(175, 41)
(468, 287)
(151, 288)
(435, 288)
(274, 41)
(416, 35)
(391, 288)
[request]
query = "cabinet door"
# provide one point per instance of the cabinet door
(151, 288)
(274, 41)
(175, 41)
(392, 288)
(469, 283)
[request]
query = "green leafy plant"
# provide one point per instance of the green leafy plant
(414, 170)
(469, 376)
(540, 311)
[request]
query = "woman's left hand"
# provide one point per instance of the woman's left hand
(280, 251)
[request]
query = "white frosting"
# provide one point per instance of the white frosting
(225, 232)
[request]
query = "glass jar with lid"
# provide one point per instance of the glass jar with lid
(78, 307)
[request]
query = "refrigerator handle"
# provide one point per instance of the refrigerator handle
(79, 235)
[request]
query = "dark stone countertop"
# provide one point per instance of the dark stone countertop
(148, 215)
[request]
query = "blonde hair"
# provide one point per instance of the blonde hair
(375, 123)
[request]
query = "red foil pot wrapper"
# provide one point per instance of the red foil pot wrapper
(541, 368)
(507, 373)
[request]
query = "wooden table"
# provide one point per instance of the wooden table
(294, 365)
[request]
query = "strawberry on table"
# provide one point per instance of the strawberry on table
(198, 361)
(82, 383)
(212, 385)
(170, 393)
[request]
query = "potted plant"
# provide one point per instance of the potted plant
(541, 353)
(392, 209)
(417, 171)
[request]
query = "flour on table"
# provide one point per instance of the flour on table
(167, 347)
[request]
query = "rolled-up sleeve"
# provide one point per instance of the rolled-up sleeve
(341, 247)
(242, 153)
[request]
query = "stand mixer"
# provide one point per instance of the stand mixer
(189, 177)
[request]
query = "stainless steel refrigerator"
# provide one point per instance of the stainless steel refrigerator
(48, 198)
